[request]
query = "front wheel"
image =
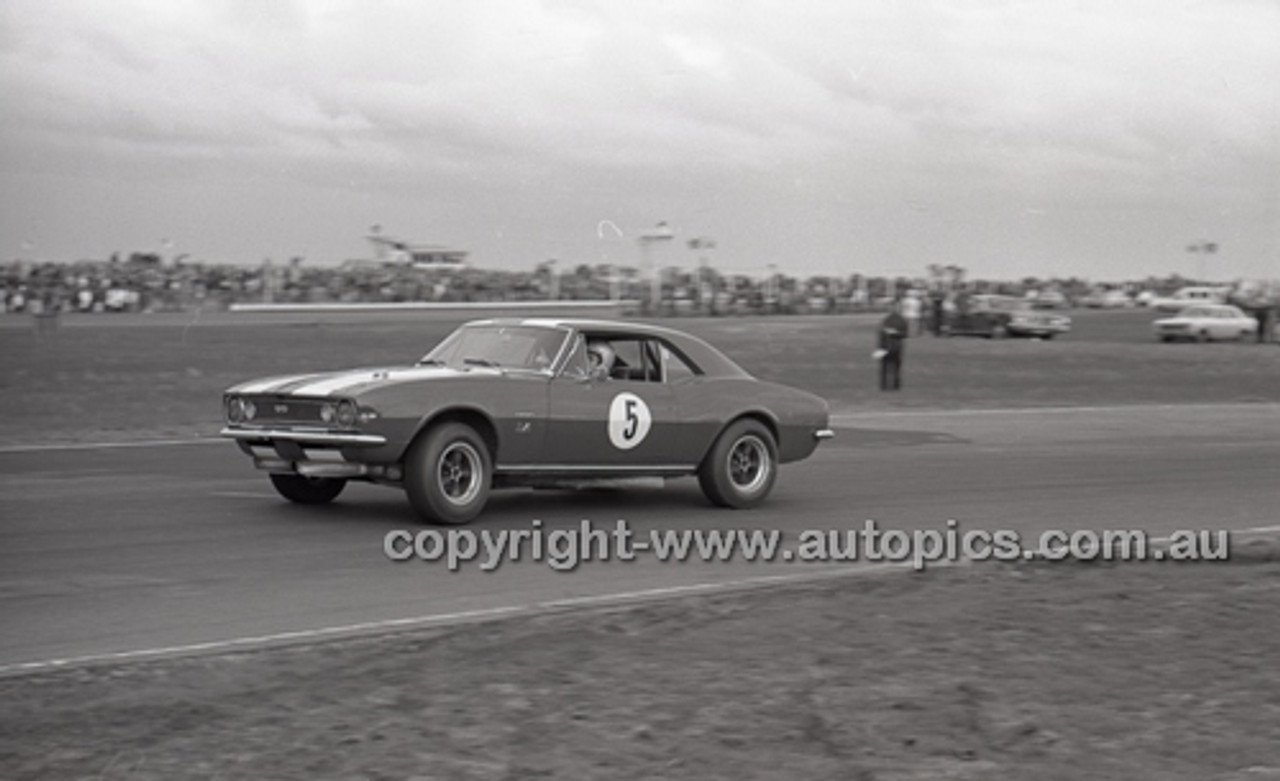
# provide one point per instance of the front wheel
(741, 467)
(308, 490)
(447, 474)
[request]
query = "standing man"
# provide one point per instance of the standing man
(1262, 313)
(893, 330)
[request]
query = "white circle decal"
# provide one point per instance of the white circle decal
(629, 421)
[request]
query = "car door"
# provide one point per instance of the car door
(1219, 328)
(628, 419)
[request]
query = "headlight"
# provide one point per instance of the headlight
(328, 412)
(234, 413)
(346, 414)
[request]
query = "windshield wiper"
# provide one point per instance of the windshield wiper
(482, 362)
(431, 362)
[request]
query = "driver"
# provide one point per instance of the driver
(600, 358)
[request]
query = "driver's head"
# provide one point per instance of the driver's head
(600, 356)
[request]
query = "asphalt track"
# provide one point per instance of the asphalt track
(126, 552)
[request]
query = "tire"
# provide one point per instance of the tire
(1000, 332)
(447, 474)
(308, 490)
(740, 469)
(1203, 337)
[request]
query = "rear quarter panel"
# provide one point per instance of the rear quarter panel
(708, 405)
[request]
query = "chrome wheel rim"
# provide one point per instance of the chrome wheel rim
(749, 464)
(460, 473)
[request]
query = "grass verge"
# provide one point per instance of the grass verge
(107, 380)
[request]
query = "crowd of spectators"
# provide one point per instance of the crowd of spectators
(145, 283)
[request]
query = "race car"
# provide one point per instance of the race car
(528, 402)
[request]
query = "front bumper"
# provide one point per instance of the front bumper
(311, 453)
(304, 436)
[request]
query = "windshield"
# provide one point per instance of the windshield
(531, 348)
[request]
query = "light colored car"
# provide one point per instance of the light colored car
(1048, 299)
(1206, 322)
(1187, 296)
(1107, 299)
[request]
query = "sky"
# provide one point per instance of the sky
(1099, 139)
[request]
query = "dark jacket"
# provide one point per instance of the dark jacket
(893, 329)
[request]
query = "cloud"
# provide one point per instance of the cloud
(1016, 103)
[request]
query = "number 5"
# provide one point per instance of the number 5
(633, 420)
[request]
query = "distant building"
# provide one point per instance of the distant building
(387, 249)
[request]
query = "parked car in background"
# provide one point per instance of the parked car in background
(528, 402)
(1107, 299)
(1206, 322)
(1187, 296)
(995, 317)
(1048, 299)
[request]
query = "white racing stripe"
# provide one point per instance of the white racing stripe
(342, 382)
(262, 386)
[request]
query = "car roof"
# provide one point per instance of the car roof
(712, 362)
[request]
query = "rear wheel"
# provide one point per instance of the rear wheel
(741, 467)
(447, 474)
(308, 490)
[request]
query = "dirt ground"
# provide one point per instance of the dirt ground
(1036, 671)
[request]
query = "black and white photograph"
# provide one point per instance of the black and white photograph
(574, 389)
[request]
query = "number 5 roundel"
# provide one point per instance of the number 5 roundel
(629, 421)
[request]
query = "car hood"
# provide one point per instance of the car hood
(351, 382)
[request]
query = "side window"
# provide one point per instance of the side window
(637, 360)
(576, 366)
(678, 370)
(629, 364)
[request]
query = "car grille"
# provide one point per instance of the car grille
(285, 410)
